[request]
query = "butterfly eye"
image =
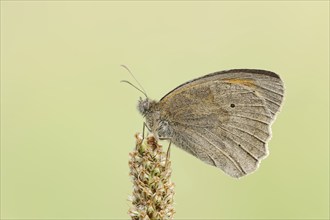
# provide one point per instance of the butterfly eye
(146, 104)
(143, 106)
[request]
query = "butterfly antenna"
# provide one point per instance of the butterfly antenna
(125, 81)
(142, 89)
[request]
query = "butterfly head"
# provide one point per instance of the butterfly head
(144, 106)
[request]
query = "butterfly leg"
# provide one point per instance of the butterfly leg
(143, 129)
(168, 153)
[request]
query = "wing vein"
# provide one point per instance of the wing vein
(269, 100)
(247, 133)
(256, 159)
(212, 159)
(251, 112)
(270, 90)
(264, 152)
(236, 164)
(253, 119)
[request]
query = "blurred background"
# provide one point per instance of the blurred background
(68, 124)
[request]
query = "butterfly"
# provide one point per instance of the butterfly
(223, 118)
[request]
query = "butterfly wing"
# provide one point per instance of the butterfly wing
(224, 118)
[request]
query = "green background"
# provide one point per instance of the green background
(67, 124)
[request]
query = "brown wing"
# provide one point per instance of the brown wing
(268, 85)
(223, 119)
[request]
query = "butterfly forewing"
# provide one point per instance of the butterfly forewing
(224, 118)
